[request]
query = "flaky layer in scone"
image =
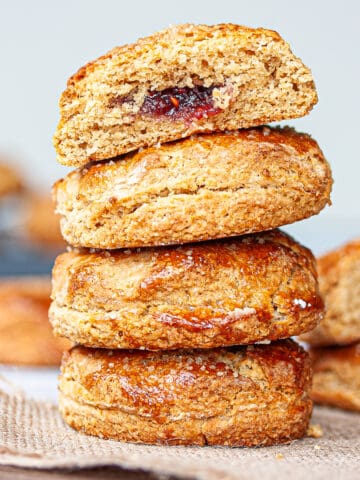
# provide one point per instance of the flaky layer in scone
(204, 187)
(339, 279)
(182, 80)
(337, 376)
(241, 396)
(238, 291)
(25, 332)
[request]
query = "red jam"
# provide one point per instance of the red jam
(181, 103)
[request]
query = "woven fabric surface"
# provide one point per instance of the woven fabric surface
(32, 434)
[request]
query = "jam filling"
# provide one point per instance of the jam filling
(181, 103)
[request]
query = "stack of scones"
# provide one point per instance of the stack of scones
(179, 293)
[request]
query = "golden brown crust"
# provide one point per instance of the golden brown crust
(337, 376)
(204, 187)
(10, 181)
(239, 291)
(42, 224)
(25, 332)
(339, 279)
(242, 396)
(254, 75)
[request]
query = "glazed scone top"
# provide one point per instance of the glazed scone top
(208, 154)
(230, 292)
(108, 279)
(250, 396)
(162, 383)
(200, 188)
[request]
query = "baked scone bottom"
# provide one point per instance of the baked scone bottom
(237, 77)
(337, 376)
(238, 291)
(245, 396)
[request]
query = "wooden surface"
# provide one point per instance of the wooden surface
(106, 473)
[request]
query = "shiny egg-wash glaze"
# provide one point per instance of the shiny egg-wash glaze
(237, 291)
(240, 396)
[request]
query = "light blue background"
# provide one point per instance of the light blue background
(43, 42)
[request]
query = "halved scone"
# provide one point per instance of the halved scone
(182, 80)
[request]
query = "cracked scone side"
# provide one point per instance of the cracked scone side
(243, 290)
(241, 396)
(201, 188)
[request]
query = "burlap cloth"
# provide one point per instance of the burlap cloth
(32, 434)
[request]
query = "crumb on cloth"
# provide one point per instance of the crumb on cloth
(315, 431)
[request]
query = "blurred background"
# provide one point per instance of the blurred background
(43, 42)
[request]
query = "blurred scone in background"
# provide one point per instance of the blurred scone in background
(29, 242)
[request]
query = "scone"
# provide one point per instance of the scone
(339, 279)
(11, 190)
(25, 332)
(337, 376)
(238, 291)
(10, 181)
(182, 80)
(41, 223)
(201, 188)
(241, 396)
